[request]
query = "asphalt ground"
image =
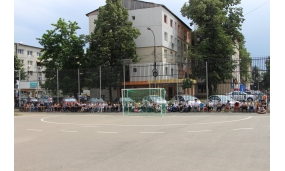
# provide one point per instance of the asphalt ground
(113, 142)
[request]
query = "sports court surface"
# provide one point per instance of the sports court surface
(112, 142)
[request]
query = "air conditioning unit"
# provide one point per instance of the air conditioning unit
(40, 78)
(29, 66)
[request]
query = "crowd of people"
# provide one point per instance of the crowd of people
(70, 107)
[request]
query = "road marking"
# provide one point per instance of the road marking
(34, 130)
(91, 126)
(200, 131)
(100, 132)
(152, 132)
(241, 129)
(43, 120)
(67, 131)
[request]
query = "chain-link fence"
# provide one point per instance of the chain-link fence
(106, 82)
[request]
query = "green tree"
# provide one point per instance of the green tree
(187, 83)
(63, 50)
(111, 41)
(18, 66)
(245, 64)
(266, 76)
(219, 24)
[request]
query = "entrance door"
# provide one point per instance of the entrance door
(170, 93)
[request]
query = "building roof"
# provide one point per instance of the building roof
(27, 45)
(144, 5)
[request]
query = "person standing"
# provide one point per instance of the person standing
(259, 97)
(268, 96)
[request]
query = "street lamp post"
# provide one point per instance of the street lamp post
(57, 81)
(154, 71)
(78, 86)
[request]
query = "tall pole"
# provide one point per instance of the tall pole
(207, 79)
(57, 85)
(100, 82)
(124, 76)
(177, 80)
(155, 73)
(37, 82)
(19, 89)
(78, 86)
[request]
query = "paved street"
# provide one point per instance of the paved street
(113, 142)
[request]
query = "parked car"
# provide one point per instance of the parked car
(125, 99)
(96, 100)
(253, 92)
(25, 99)
(43, 99)
(239, 96)
(69, 100)
(223, 98)
(184, 98)
(154, 98)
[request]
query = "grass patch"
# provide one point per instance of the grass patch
(16, 114)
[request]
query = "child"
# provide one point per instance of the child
(210, 106)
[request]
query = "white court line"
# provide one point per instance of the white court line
(43, 120)
(91, 126)
(200, 131)
(34, 130)
(107, 132)
(241, 129)
(67, 131)
(152, 132)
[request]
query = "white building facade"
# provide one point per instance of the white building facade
(28, 55)
(172, 37)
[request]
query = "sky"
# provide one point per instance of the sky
(26, 20)
(32, 18)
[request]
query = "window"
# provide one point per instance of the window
(178, 28)
(175, 25)
(165, 70)
(165, 53)
(171, 55)
(201, 88)
(39, 54)
(40, 73)
(22, 62)
(20, 51)
(172, 72)
(165, 19)
(171, 23)
(178, 43)
(185, 47)
(30, 73)
(134, 17)
(30, 64)
(165, 36)
(171, 39)
(134, 69)
(30, 53)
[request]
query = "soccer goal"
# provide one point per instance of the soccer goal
(144, 101)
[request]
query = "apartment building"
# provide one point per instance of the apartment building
(172, 37)
(29, 58)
